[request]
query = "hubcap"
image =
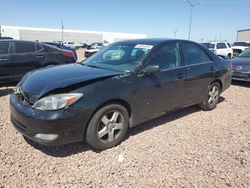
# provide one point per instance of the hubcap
(213, 95)
(110, 126)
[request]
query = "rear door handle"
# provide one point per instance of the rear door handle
(40, 56)
(180, 76)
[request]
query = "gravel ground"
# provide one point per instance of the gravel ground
(80, 54)
(187, 148)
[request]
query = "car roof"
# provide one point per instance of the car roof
(149, 41)
(13, 40)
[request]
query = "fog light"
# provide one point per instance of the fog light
(48, 137)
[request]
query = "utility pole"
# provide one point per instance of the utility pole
(62, 30)
(191, 16)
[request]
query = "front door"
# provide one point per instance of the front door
(162, 91)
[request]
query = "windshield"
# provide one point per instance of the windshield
(121, 57)
(240, 44)
(246, 53)
(211, 46)
(206, 44)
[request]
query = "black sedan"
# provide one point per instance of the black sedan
(19, 57)
(241, 66)
(123, 85)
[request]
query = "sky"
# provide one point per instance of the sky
(212, 19)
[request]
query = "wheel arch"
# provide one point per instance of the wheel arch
(113, 101)
(219, 82)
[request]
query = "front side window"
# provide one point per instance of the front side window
(221, 45)
(25, 47)
(194, 54)
(4, 48)
(167, 56)
(124, 57)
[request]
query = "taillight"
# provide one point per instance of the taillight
(68, 54)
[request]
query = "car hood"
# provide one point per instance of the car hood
(40, 82)
(244, 61)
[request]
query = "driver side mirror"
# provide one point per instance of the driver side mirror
(151, 69)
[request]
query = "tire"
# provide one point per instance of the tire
(108, 127)
(229, 56)
(212, 98)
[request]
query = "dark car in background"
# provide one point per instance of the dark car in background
(61, 46)
(93, 48)
(19, 57)
(241, 66)
(123, 85)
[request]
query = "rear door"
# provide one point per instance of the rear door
(200, 71)
(24, 58)
(5, 60)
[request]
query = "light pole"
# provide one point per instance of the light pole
(62, 31)
(191, 16)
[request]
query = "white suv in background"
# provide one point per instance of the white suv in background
(221, 48)
(239, 47)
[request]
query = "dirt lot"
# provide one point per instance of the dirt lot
(187, 148)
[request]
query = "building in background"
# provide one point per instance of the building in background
(243, 35)
(78, 36)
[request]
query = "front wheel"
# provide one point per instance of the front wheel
(108, 127)
(212, 98)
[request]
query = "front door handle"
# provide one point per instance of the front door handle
(180, 76)
(4, 59)
(212, 69)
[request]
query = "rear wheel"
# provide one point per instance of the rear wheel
(108, 127)
(212, 98)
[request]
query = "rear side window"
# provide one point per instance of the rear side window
(4, 48)
(25, 47)
(229, 45)
(194, 54)
(221, 45)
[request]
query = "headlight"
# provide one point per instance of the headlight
(57, 102)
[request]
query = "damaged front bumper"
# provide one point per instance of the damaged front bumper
(51, 128)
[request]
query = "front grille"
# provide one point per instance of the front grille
(25, 98)
(241, 68)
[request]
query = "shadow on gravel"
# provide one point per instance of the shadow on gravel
(5, 91)
(241, 83)
(60, 151)
(75, 148)
(166, 118)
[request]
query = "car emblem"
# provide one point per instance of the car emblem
(18, 90)
(239, 68)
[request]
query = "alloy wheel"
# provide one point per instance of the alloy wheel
(213, 95)
(110, 126)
